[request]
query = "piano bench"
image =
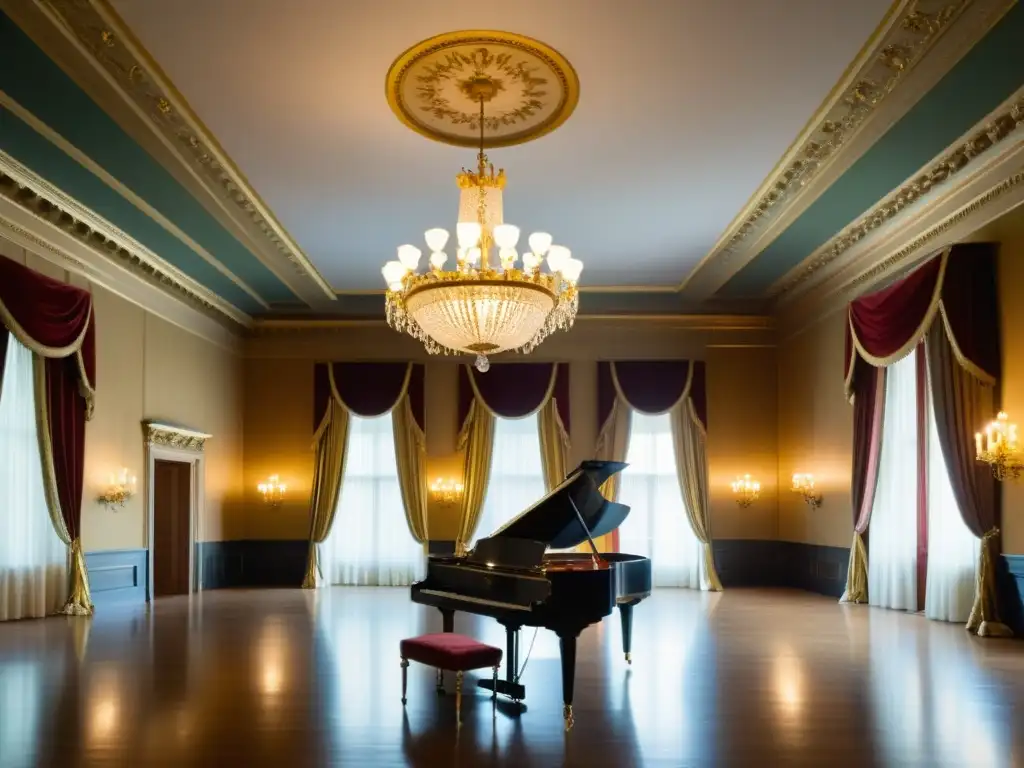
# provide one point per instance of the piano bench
(451, 652)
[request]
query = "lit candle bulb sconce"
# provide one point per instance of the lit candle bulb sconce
(746, 490)
(272, 490)
(121, 487)
(446, 491)
(997, 446)
(804, 485)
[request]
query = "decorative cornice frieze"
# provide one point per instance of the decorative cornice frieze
(108, 41)
(172, 436)
(48, 204)
(898, 47)
(1007, 122)
(900, 258)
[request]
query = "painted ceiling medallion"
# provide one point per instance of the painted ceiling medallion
(436, 86)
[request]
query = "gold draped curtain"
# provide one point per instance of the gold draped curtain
(689, 440)
(476, 443)
(330, 443)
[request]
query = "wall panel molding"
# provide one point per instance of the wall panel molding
(118, 576)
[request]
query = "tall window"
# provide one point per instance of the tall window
(894, 538)
(657, 526)
(33, 561)
(370, 543)
(517, 478)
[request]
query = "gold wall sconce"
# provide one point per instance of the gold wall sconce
(804, 485)
(121, 487)
(446, 491)
(273, 491)
(998, 448)
(746, 490)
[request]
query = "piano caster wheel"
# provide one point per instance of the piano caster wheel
(567, 716)
(629, 658)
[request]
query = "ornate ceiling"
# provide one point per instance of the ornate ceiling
(712, 156)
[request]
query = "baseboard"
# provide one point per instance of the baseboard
(118, 576)
(252, 563)
(796, 565)
(1012, 593)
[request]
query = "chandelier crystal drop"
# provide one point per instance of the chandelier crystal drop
(494, 300)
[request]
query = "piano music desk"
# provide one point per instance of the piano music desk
(452, 652)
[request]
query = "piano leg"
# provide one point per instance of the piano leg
(509, 686)
(447, 619)
(626, 615)
(567, 644)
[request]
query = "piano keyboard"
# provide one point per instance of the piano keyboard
(468, 599)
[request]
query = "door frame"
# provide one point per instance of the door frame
(170, 442)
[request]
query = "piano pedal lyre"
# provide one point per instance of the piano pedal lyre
(440, 682)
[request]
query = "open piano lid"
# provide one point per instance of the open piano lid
(553, 521)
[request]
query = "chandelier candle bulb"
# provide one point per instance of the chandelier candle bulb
(558, 255)
(506, 236)
(436, 238)
(539, 243)
(468, 233)
(409, 256)
(437, 259)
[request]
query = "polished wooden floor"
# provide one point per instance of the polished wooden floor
(292, 678)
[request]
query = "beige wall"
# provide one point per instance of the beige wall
(148, 368)
(279, 403)
(815, 426)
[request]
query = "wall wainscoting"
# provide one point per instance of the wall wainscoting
(759, 563)
(1013, 593)
(118, 576)
(252, 563)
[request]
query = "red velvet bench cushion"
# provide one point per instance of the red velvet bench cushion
(447, 650)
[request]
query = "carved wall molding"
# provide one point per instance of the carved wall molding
(48, 204)
(979, 144)
(173, 436)
(110, 44)
(911, 51)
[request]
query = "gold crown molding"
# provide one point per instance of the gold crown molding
(48, 204)
(909, 31)
(172, 436)
(108, 41)
(904, 255)
(980, 142)
(1003, 196)
(434, 86)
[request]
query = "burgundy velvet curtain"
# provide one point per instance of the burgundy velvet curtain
(55, 321)
(513, 390)
(950, 302)
(368, 389)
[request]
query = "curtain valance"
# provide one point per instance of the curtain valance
(515, 390)
(958, 285)
(368, 389)
(55, 321)
(651, 386)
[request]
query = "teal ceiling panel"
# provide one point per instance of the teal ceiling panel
(33, 151)
(35, 82)
(980, 82)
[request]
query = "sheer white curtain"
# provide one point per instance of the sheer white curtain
(33, 561)
(892, 534)
(952, 548)
(657, 526)
(369, 543)
(517, 477)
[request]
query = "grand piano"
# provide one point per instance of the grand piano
(511, 576)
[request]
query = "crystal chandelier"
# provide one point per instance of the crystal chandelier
(485, 305)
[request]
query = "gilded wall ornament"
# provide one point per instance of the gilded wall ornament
(140, 80)
(171, 436)
(435, 88)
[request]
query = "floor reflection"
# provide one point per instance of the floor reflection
(295, 678)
